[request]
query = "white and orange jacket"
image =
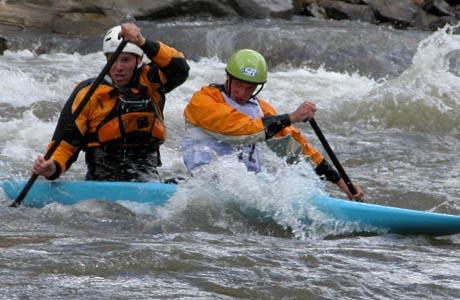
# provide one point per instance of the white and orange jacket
(215, 125)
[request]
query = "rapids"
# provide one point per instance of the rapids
(395, 128)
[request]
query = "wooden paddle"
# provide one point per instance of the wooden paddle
(331, 154)
(75, 114)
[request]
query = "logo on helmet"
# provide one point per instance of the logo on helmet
(249, 72)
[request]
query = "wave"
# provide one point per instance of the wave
(424, 98)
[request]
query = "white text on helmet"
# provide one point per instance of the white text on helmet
(249, 71)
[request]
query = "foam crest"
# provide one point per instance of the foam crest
(430, 77)
(425, 97)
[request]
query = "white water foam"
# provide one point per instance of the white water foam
(224, 187)
(329, 90)
(22, 143)
(424, 98)
(28, 78)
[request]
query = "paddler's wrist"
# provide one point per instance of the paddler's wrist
(324, 169)
(150, 48)
(53, 172)
(294, 118)
(141, 41)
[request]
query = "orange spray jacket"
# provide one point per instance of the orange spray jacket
(209, 112)
(100, 123)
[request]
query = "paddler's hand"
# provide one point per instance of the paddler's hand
(306, 111)
(43, 167)
(132, 33)
(359, 196)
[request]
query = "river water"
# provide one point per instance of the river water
(392, 118)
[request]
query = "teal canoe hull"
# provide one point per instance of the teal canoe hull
(366, 216)
(71, 192)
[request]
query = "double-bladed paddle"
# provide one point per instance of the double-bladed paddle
(75, 114)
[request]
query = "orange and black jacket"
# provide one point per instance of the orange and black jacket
(106, 130)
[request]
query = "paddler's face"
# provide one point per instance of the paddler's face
(241, 91)
(123, 69)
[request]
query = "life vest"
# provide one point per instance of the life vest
(200, 148)
(128, 138)
(135, 120)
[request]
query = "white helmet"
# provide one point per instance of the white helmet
(112, 40)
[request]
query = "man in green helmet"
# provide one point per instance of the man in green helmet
(230, 118)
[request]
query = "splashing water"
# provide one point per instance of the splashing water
(225, 189)
(424, 98)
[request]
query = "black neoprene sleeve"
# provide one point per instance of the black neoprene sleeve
(274, 124)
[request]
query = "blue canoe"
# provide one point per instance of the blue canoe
(390, 219)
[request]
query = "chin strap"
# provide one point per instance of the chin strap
(228, 85)
(256, 93)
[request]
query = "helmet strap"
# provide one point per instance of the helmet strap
(141, 59)
(228, 88)
(258, 91)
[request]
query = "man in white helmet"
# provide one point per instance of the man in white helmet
(121, 128)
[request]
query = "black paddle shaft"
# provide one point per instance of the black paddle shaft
(332, 155)
(75, 115)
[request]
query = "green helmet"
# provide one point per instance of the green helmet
(247, 65)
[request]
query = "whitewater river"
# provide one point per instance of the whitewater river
(397, 135)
